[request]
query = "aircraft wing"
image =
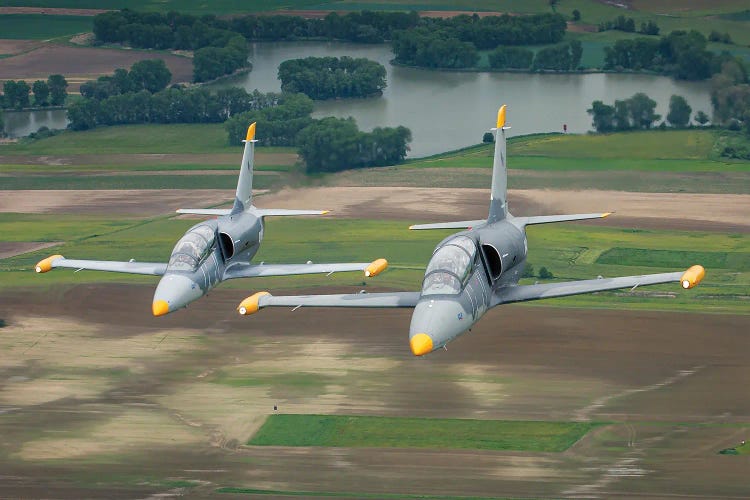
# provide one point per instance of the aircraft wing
(462, 224)
(521, 293)
(381, 299)
(266, 212)
(132, 267)
(204, 211)
(253, 270)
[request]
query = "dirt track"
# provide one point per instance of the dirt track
(92, 388)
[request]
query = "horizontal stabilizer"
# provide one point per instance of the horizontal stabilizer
(269, 212)
(132, 267)
(384, 299)
(204, 211)
(462, 224)
(547, 219)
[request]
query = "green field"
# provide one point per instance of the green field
(132, 139)
(41, 27)
(390, 432)
(166, 181)
(569, 251)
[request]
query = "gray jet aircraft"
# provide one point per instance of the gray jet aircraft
(215, 250)
(473, 271)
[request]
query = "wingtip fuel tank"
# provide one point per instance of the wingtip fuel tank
(376, 267)
(692, 276)
(250, 305)
(45, 265)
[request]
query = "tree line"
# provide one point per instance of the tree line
(681, 54)
(332, 77)
(420, 41)
(51, 92)
(627, 24)
(638, 113)
(218, 50)
(456, 42)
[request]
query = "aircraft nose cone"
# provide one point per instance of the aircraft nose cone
(420, 344)
(174, 292)
(160, 307)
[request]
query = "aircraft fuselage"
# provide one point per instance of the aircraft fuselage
(454, 297)
(201, 257)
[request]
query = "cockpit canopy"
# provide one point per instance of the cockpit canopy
(192, 249)
(450, 267)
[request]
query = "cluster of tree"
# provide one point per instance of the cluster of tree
(218, 49)
(210, 63)
(151, 75)
(544, 273)
(172, 105)
(730, 95)
(334, 144)
(455, 42)
(361, 27)
(331, 77)
(280, 117)
(560, 57)
(433, 49)
(186, 32)
(627, 24)
(715, 36)
(50, 93)
(510, 58)
(634, 113)
(681, 54)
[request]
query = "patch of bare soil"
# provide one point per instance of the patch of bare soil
(11, 248)
(666, 210)
(51, 11)
(17, 46)
(141, 202)
(175, 398)
(79, 64)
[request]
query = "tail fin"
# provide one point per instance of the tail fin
(498, 201)
(244, 197)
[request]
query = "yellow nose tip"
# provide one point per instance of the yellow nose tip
(160, 307)
(420, 343)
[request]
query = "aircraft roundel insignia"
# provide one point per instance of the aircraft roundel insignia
(460, 316)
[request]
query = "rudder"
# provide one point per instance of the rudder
(498, 196)
(244, 195)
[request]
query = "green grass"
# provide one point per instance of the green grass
(132, 139)
(345, 494)
(739, 261)
(569, 251)
(391, 432)
(41, 27)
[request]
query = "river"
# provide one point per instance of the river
(447, 110)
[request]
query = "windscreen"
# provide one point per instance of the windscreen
(192, 249)
(449, 267)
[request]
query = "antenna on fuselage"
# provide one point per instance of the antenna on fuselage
(499, 192)
(244, 196)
